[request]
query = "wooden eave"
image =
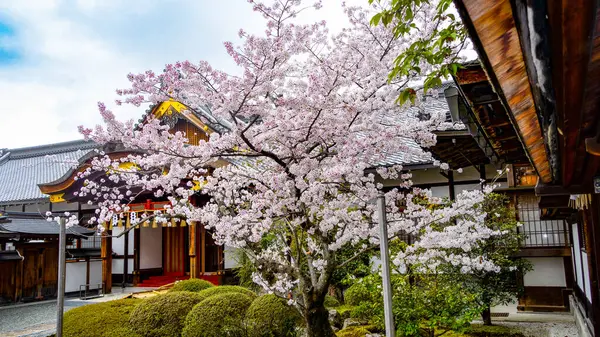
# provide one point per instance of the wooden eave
(458, 150)
(494, 33)
(490, 114)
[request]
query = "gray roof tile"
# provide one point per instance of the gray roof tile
(21, 170)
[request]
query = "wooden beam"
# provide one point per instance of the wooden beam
(553, 190)
(492, 29)
(106, 256)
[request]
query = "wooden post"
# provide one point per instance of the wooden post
(87, 273)
(40, 274)
(203, 249)
(106, 254)
(125, 260)
(192, 249)
(136, 255)
(451, 184)
(19, 278)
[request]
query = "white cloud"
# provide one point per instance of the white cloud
(76, 53)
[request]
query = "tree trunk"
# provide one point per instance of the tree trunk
(317, 322)
(486, 315)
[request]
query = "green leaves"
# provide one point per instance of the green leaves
(432, 57)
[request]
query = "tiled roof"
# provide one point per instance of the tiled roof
(40, 226)
(21, 170)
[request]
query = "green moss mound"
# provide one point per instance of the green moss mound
(271, 316)
(331, 302)
(357, 294)
(101, 319)
(206, 293)
(356, 331)
(163, 315)
(193, 285)
(218, 315)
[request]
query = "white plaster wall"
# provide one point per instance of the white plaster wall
(117, 266)
(118, 244)
(230, 257)
(547, 272)
(75, 275)
(440, 191)
(468, 187)
(586, 277)
(150, 248)
(427, 176)
(468, 173)
(577, 257)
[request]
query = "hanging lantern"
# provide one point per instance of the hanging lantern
(132, 218)
(115, 221)
(183, 224)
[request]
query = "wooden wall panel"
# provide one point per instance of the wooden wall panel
(8, 280)
(174, 252)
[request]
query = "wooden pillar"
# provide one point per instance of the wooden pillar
(125, 260)
(192, 250)
(136, 255)
(19, 278)
(451, 184)
(87, 273)
(203, 249)
(482, 175)
(106, 254)
(40, 274)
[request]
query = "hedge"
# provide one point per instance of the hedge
(193, 285)
(101, 319)
(206, 293)
(218, 316)
(271, 316)
(356, 294)
(163, 315)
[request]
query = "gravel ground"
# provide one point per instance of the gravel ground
(29, 319)
(546, 329)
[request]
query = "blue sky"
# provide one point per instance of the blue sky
(58, 58)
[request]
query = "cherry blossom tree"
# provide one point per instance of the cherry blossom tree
(303, 127)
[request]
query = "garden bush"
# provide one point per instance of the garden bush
(206, 293)
(357, 294)
(163, 315)
(100, 319)
(331, 302)
(193, 285)
(271, 316)
(218, 315)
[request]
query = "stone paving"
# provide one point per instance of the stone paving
(39, 319)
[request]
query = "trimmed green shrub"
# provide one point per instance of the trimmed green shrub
(271, 316)
(163, 315)
(206, 293)
(217, 316)
(101, 319)
(193, 285)
(357, 294)
(331, 302)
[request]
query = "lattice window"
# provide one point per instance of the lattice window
(540, 233)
